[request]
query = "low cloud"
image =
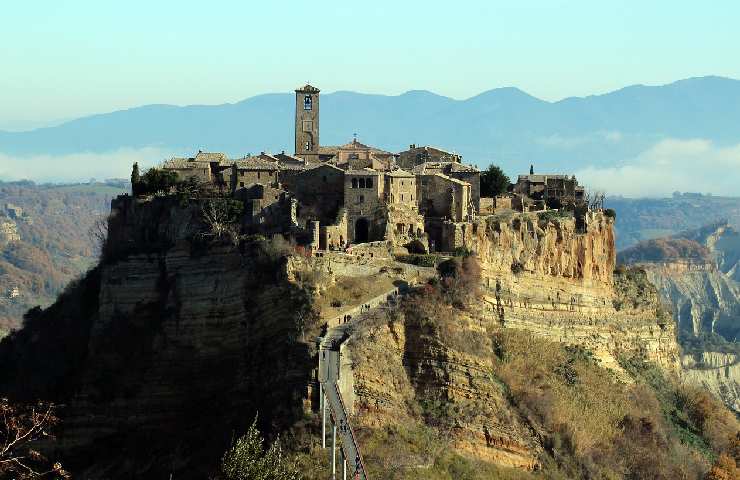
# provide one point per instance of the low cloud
(564, 142)
(671, 165)
(78, 167)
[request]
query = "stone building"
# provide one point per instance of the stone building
(187, 168)
(364, 202)
(355, 155)
(249, 171)
(319, 189)
(414, 156)
(444, 197)
(342, 195)
(552, 190)
(457, 170)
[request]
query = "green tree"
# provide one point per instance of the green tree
(135, 177)
(248, 460)
(493, 181)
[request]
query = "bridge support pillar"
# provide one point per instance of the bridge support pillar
(322, 403)
(334, 453)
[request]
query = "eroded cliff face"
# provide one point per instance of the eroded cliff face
(543, 277)
(717, 372)
(703, 299)
(191, 338)
(558, 282)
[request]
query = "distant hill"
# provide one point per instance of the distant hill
(54, 243)
(648, 218)
(504, 125)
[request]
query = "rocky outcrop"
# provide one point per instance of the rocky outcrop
(542, 276)
(556, 280)
(188, 339)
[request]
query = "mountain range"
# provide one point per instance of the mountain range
(505, 125)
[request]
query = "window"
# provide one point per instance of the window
(402, 197)
(307, 125)
(361, 199)
(412, 197)
(402, 183)
(307, 102)
(324, 178)
(354, 183)
(362, 183)
(258, 175)
(308, 145)
(241, 184)
(369, 183)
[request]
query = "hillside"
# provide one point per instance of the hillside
(504, 125)
(695, 272)
(51, 243)
(482, 372)
(647, 218)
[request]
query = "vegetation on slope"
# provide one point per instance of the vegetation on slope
(57, 242)
(665, 250)
(647, 218)
(591, 424)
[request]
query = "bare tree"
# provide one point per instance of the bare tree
(23, 426)
(99, 233)
(219, 218)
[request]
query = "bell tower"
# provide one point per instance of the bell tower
(307, 123)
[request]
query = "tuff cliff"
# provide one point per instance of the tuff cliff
(551, 277)
(543, 277)
(177, 337)
(168, 348)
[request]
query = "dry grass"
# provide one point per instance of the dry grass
(348, 292)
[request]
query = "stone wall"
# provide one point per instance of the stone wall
(442, 196)
(320, 192)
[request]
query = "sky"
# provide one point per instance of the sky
(62, 59)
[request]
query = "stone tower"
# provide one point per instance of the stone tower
(307, 123)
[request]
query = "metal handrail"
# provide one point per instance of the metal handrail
(351, 432)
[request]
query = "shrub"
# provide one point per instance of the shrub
(427, 260)
(460, 279)
(517, 267)
(155, 180)
(248, 460)
(610, 212)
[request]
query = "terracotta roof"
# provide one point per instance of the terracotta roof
(210, 157)
(314, 166)
(426, 148)
(252, 163)
(456, 167)
(266, 156)
(284, 157)
(183, 163)
(445, 177)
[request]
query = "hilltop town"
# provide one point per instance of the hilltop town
(423, 198)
